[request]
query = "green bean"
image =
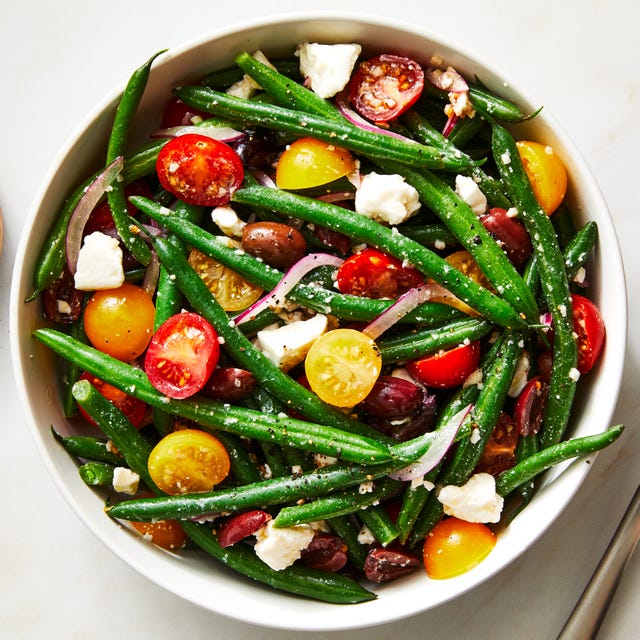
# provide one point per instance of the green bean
(437, 235)
(465, 130)
(554, 284)
(96, 474)
(336, 504)
(380, 523)
(527, 446)
(473, 236)
(579, 248)
(88, 448)
(285, 91)
(554, 454)
(72, 373)
(243, 467)
(416, 344)
(347, 307)
(115, 425)
(368, 143)
(216, 415)
(320, 585)
(116, 147)
(386, 239)
(261, 494)
(288, 66)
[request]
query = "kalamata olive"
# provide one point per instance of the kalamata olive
(510, 233)
(530, 405)
(333, 239)
(62, 302)
(257, 149)
(499, 453)
(408, 427)
(545, 364)
(325, 552)
(384, 565)
(240, 526)
(277, 244)
(229, 384)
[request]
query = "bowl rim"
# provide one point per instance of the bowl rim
(559, 486)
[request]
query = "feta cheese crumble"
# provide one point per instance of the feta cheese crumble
(99, 263)
(475, 501)
(386, 198)
(125, 480)
(327, 67)
(469, 192)
(281, 547)
(228, 221)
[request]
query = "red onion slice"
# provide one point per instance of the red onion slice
(83, 210)
(357, 120)
(223, 134)
(403, 305)
(442, 440)
(290, 279)
(448, 80)
(449, 124)
(263, 178)
(340, 196)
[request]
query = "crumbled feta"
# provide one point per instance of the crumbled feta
(365, 536)
(288, 345)
(228, 221)
(469, 192)
(386, 198)
(365, 487)
(475, 501)
(247, 86)
(327, 67)
(320, 460)
(281, 547)
(421, 482)
(506, 158)
(125, 480)
(520, 375)
(99, 263)
(475, 435)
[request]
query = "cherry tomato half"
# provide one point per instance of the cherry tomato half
(546, 173)
(119, 321)
(499, 453)
(446, 369)
(182, 355)
(308, 162)
(386, 86)
(199, 170)
(188, 461)
(455, 546)
(134, 409)
(589, 327)
(167, 534)
(373, 274)
(342, 366)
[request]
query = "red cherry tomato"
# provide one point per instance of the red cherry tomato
(373, 274)
(182, 355)
(499, 453)
(446, 369)
(134, 409)
(386, 86)
(590, 329)
(199, 170)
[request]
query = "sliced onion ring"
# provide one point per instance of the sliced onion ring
(223, 134)
(290, 279)
(403, 305)
(448, 80)
(83, 210)
(443, 438)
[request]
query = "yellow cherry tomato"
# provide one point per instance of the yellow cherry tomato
(188, 461)
(455, 546)
(167, 534)
(546, 172)
(229, 288)
(308, 162)
(119, 321)
(342, 366)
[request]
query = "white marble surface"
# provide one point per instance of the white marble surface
(59, 59)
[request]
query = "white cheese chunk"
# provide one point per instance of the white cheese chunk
(228, 221)
(386, 198)
(475, 501)
(327, 67)
(469, 192)
(288, 345)
(125, 480)
(99, 263)
(281, 547)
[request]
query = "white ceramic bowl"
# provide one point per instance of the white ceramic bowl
(197, 578)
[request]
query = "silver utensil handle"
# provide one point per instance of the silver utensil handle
(588, 614)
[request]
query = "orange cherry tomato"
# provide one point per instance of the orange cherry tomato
(188, 461)
(455, 546)
(446, 369)
(199, 170)
(119, 321)
(167, 534)
(546, 172)
(134, 409)
(342, 366)
(308, 162)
